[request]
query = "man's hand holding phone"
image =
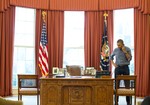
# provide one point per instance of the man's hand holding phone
(124, 49)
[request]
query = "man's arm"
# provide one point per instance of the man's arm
(113, 63)
(128, 56)
(127, 53)
(112, 58)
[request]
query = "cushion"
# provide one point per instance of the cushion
(9, 102)
(125, 91)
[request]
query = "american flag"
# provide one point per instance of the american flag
(104, 55)
(43, 53)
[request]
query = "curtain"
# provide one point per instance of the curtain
(55, 34)
(117, 4)
(82, 5)
(7, 24)
(1, 5)
(144, 6)
(94, 24)
(142, 52)
(91, 5)
(4, 4)
(55, 27)
(38, 4)
(38, 28)
(110, 32)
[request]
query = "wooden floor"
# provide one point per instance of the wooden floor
(31, 100)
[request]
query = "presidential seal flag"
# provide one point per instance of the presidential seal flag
(43, 52)
(104, 53)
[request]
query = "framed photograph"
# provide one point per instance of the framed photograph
(55, 70)
(62, 70)
(89, 70)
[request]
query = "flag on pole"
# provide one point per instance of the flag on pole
(104, 55)
(43, 52)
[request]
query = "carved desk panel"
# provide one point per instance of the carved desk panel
(76, 91)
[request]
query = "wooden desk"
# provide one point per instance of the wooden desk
(76, 91)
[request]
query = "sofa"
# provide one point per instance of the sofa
(9, 102)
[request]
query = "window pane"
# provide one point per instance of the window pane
(25, 14)
(75, 56)
(74, 39)
(21, 53)
(123, 26)
(24, 48)
(124, 29)
(24, 26)
(30, 53)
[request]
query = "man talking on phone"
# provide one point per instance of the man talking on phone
(123, 57)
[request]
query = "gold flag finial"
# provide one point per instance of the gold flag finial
(44, 15)
(105, 15)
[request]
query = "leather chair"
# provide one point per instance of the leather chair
(146, 101)
(28, 85)
(74, 70)
(9, 102)
(128, 90)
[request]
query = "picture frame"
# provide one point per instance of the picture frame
(55, 70)
(89, 70)
(62, 70)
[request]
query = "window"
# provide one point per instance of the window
(124, 29)
(24, 47)
(73, 39)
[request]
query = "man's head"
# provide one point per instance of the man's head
(120, 43)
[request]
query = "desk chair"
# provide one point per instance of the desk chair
(74, 70)
(28, 85)
(129, 90)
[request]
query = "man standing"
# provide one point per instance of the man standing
(123, 57)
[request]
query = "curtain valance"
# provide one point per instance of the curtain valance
(4, 4)
(117, 4)
(78, 5)
(144, 6)
(81, 5)
(38, 4)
